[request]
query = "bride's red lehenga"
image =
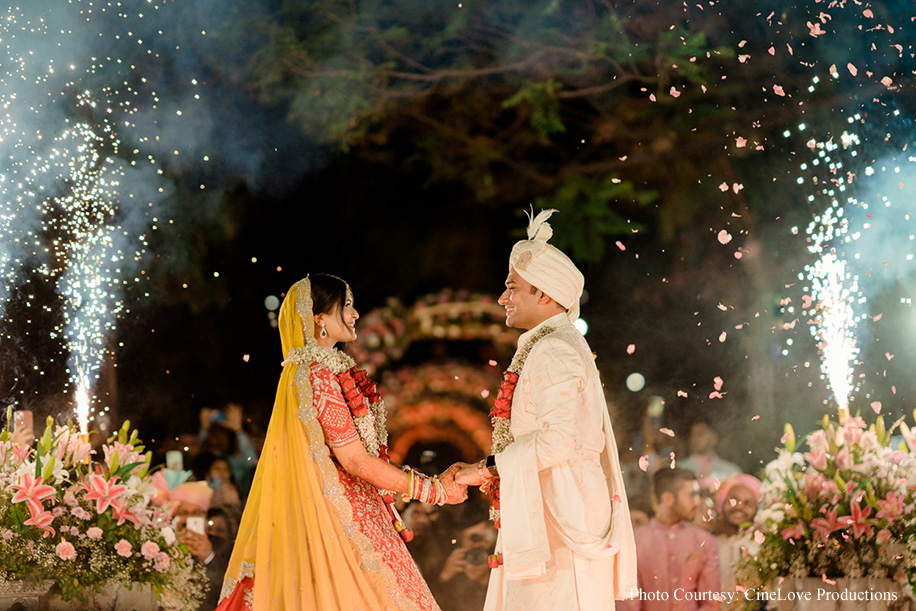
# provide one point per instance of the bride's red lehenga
(336, 546)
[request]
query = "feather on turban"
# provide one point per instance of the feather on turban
(546, 267)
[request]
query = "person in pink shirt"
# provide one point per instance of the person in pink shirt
(677, 563)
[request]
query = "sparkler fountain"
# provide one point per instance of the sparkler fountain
(76, 202)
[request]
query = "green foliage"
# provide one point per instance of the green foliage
(589, 213)
(542, 101)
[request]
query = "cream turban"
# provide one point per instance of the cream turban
(546, 267)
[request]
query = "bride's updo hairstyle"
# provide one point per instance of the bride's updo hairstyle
(328, 292)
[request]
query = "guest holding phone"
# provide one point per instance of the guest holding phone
(23, 433)
(190, 504)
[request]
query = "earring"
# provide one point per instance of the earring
(324, 332)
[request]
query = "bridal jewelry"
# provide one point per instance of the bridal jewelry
(324, 332)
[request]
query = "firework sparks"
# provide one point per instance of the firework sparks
(76, 204)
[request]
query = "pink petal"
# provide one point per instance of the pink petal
(652, 96)
(759, 537)
(722, 337)
(631, 348)
(867, 12)
(888, 355)
(876, 405)
(755, 418)
(740, 142)
(723, 186)
(675, 93)
(852, 69)
(715, 395)
(887, 81)
(717, 383)
(894, 389)
(681, 393)
(724, 237)
(644, 463)
(771, 51)
(666, 431)
(777, 89)
(620, 245)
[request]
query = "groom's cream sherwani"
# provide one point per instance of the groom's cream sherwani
(566, 537)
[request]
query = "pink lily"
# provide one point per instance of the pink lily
(797, 532)
(889, 508)
(21, 452)
(103, 492)
(41, 519)
(32, 491)
(122, 513)
(828, 524)
(858, 522)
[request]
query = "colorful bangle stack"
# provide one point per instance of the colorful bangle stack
(424, 488)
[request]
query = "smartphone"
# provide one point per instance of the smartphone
(22, 419)
(174, 460)
(195, 524)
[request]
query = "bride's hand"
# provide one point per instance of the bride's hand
(454, 493)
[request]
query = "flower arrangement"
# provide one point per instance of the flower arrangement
(843, 508)
(82, 524)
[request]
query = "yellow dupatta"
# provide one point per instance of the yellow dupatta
(295, 537)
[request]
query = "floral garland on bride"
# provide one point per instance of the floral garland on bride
(360, 393)
(501, 414)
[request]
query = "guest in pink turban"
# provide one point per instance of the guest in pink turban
(736, 505)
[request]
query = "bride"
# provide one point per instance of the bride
(319, 529)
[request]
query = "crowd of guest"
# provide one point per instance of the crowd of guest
(687, 515)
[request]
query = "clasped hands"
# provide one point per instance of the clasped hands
(458, 477)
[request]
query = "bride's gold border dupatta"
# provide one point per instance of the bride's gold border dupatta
(297, 537)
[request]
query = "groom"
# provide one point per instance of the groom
(565, 536)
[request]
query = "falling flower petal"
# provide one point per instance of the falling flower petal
(675, 93)
(887, 81)
(652, 96)
(777, 89)
(681, 393)
(759, 537)
(644, 463)
(876, 405)
(717, 383)
(715, 395)
(631, 348)
(723, 186)
(852, 69)
(722, 337)
(724, 237)
(666, 431)
(620, 245)
(888, 355)
(867, 12)
(740, 142)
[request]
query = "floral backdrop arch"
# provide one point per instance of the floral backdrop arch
(443, 396)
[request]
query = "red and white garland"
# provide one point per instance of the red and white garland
(501, 416)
